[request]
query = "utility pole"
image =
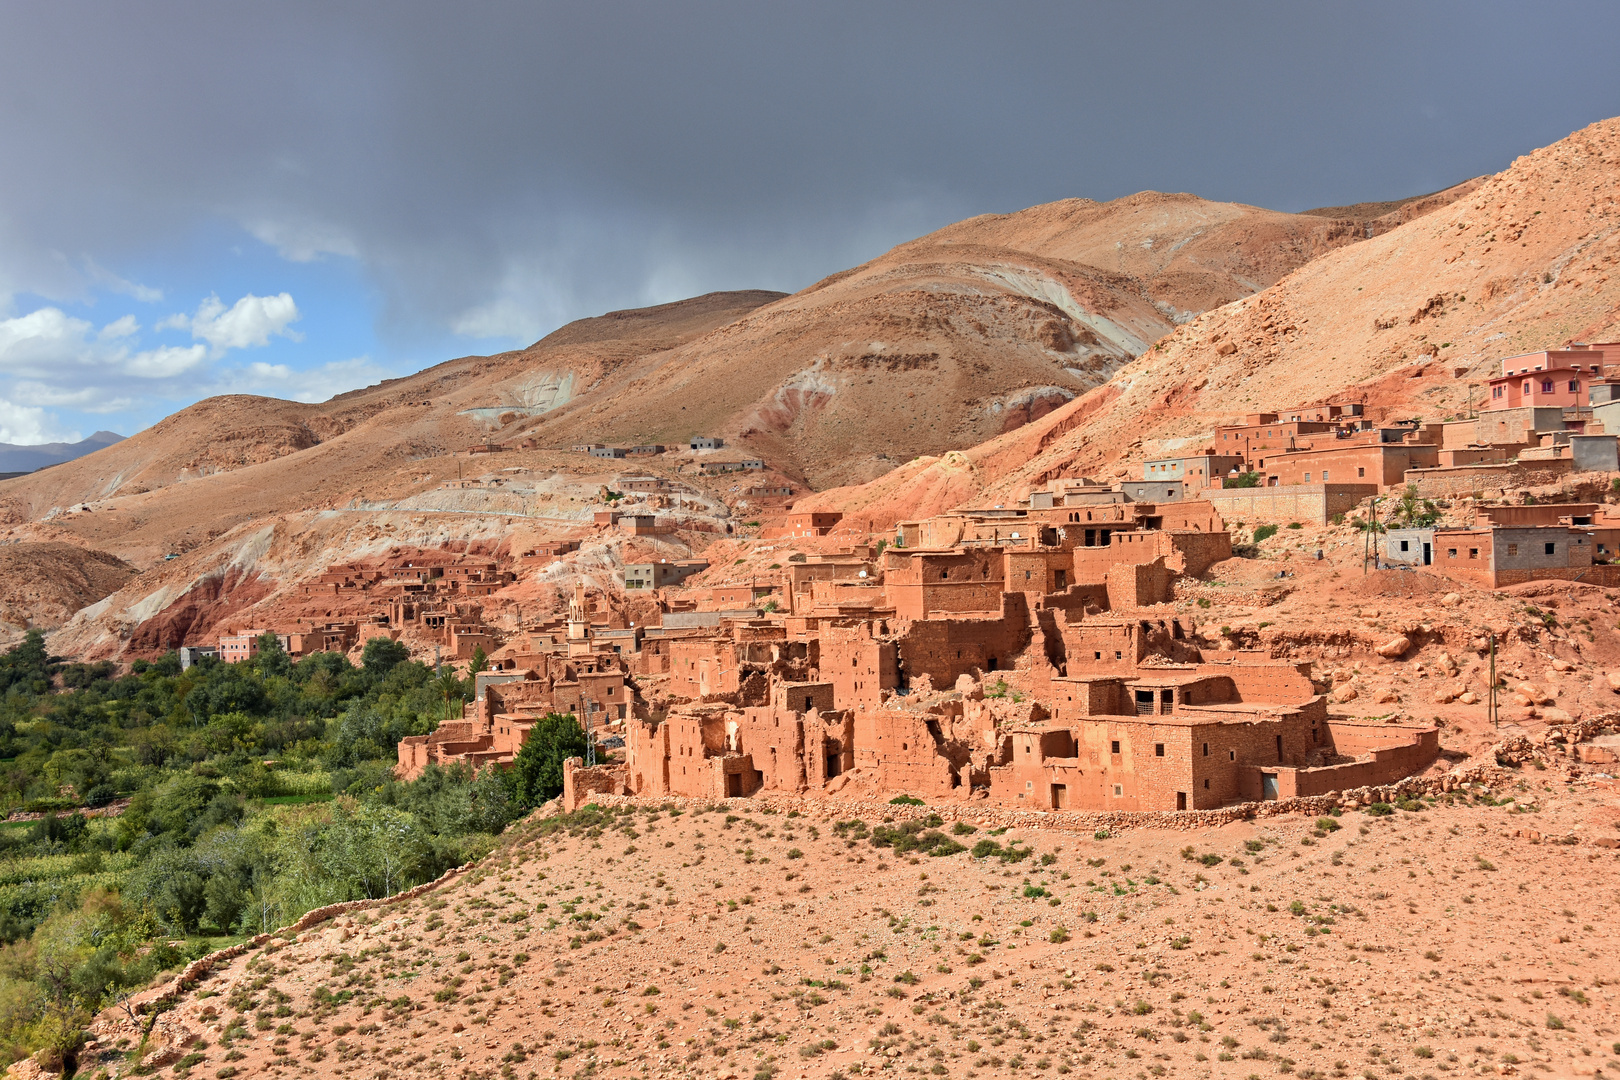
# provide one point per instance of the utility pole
(1492, 706)
(590, 737)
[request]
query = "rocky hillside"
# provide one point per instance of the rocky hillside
(1411, 322)
(42, 585)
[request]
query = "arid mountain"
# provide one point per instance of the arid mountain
(942, 343)
(950, 339)
(16, 458)
(1411, 322)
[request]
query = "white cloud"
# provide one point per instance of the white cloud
(22, 424)
(303, 241)
(120, 328)
(250, 322)
(123, 286)
(316, 384)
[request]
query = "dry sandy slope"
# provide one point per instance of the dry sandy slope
(742, 941)
(1411, 321)
(42, 585)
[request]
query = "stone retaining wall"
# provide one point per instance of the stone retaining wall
(193, 972)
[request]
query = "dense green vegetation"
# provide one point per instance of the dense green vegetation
(256, 792)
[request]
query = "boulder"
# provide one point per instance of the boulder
(1388, 697)
(1562, 665)
(1451, 599)
(1345, 693)
(1468, 698)
(1612, 677)
(1444, 696)
(1533, 692)
(1395, 647)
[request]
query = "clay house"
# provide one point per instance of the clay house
(641, 484)
(705, 442)
(488, 448)
(1199, 737)
(607, 451)
(661, 574)
(804, 523)
(1195, 472)
(640, 524)
(1384, 464)
(1552, 378)
(645, 450)
(235, 648)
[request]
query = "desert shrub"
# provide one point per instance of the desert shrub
(1264, 532)
(905, 800)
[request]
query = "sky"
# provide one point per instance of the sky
(299, 199)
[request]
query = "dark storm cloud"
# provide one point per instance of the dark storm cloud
(499, 168)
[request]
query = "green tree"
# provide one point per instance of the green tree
(1242, 480)
(536, 772)
(479, 661)
(1414, 512)
(448, 687)
(272, 659)
(381, 655)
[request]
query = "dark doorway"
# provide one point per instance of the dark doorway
(1181, 800)
(832, 763)
(1144, 703)
(1279, 749)
(1428, 554)
(1060, 796)
(734, 785)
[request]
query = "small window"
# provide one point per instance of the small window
(1119, 789)
(1574, 386)
(1361, 471)
(1405, 545)
(1473, 553)
(1513, 549)
(1099, 654)
(1113, 747)
(1324, 476)
(1496, 391)
(1206, 785)
(1118, 655)
(1552, 549)
(1231, 755)
(1546, 386)
(1307, 478)
(1206, 749)
(1451, 553)
(1158, 749)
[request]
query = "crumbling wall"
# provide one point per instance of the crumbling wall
(581, 784)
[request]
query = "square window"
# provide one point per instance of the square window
(1158, 749)
(1513, 549)
(1473, 553)
(1552, 549)
(1113, 747)
(1405, 545)
(1451, 553)
(1119, 789)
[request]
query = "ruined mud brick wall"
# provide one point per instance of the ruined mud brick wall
(944, 649)
(1072, 698)
(1037, 571)
(775, 741)
(1316, 503)
(918, 583)
(1279, 681)
(860, 667)
(1140, 585)
(1195, 552)
(582, 784)
(904, 752)
(1604, 575)
(1462, 479)
(1393, 753)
